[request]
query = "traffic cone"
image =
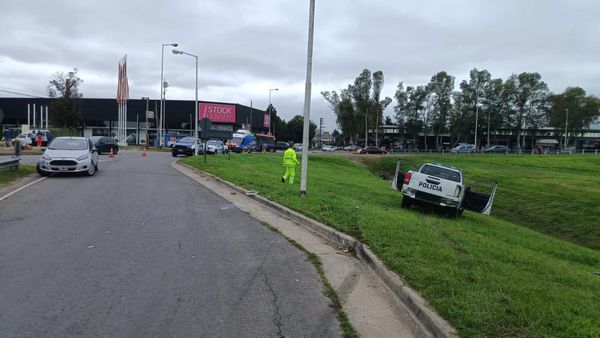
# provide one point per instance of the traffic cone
(111, 154)
(145, 154)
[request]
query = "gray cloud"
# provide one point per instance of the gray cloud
(245, 48)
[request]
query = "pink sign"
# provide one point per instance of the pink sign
(266, 120)
(218, 112)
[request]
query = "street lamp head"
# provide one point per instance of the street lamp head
(274, 89)
(174, 44)
(175, 51)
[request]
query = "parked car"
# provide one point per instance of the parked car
(463, 148)
(25, 139)
(497, 149)
(591, 144)
(69, 155)
(281, 145)
(104, 144)
(397, 149)
(215, 147)
(187, 146)
(372, 150)
(298, 147)
(328, 147)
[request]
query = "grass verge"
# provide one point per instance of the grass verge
(556, 195)
(347, 329)
(7, 177)
(485, 275)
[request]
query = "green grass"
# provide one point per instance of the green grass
(7, 177)
(487, 276)
(556, 195)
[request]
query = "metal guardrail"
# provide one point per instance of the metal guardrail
(11, 163)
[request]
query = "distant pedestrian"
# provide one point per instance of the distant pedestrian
(7, 138)
(289, 164)
(540, 149)
(40, 138)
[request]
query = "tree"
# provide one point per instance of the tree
(496, 104)
(361, 97)
(388, 121)
(343, 108)
(277, 124)
(294, 129)
(472, 101)
(410, 108)
(336, 137)
(65, 110)
(531, 103)
(378, 104)
(359, 105)
(582, 110)
(440, 88)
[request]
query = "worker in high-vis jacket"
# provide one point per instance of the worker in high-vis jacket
(289, 164)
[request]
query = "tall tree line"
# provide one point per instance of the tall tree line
(359, 105)
(518, 105)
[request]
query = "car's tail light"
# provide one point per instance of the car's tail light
(407, 177)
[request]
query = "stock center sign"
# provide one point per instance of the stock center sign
(224, 113)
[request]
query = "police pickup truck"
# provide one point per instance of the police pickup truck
(442, 187)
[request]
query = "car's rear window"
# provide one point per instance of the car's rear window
(441, 173)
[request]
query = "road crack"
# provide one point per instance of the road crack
(277, 317)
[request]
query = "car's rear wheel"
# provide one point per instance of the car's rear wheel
(115, 151)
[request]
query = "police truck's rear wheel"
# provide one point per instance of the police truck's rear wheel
(406, 202)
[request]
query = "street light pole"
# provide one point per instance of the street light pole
(270, 107)
(178, 52)
(162, 93)
(488, 132)
(476, 120)
(146, 114)
(566, 130)
(307, 89)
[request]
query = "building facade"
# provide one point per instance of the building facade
(99, 117)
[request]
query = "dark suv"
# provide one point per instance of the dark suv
(282, 145)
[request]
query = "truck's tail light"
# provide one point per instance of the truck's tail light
(407, 177)
(457, 191)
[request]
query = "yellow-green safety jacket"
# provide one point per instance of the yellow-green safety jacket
(289, 158)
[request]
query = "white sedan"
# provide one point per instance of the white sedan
(69, 155)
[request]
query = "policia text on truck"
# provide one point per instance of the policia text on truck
(441, 187)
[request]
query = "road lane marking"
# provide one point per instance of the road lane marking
(21, 188)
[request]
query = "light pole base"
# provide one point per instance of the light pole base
(302, 193)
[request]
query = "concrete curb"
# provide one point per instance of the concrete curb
(410, 298)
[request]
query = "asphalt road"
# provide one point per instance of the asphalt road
(140, 250)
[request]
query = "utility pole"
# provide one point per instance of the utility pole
(307, 89)
(321, 132)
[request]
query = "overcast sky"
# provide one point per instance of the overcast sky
(247, 47)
